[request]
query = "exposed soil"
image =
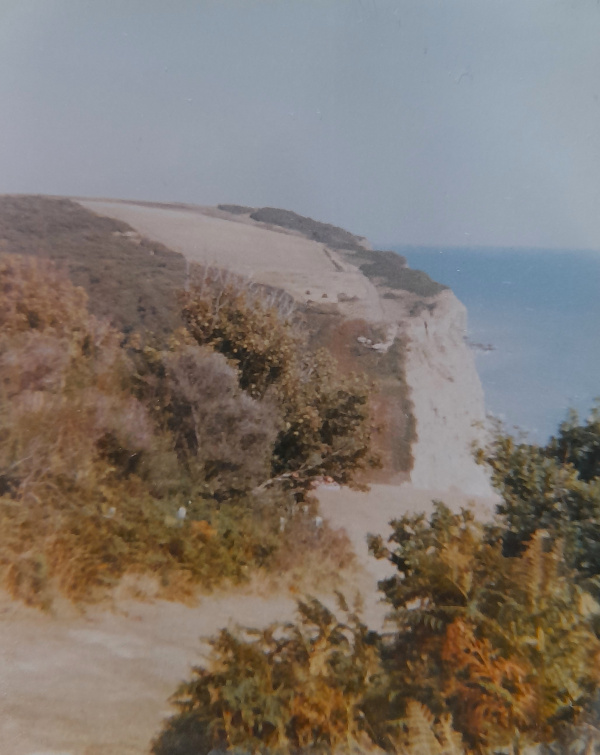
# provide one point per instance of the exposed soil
(97, 683)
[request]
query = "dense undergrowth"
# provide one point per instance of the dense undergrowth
(191, 462)
(492, 643)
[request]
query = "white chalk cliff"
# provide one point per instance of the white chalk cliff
(448, 400)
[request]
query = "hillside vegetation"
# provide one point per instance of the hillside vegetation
(493, 642)
(187, 461)
(389, 269)
(324, 233)
(129, 280)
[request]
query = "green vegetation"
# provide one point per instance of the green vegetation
(494, 640)
(125, 458)
(503, 643)
(236, 209)
(555, 488)
(323, 233)
(297, 687)
(325, 422)
(390, 269)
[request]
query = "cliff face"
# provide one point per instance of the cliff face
(444, 390)
(375, 314)
(447, 398)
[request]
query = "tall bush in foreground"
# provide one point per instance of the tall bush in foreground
(291, 687)
(555, 488)
(325, 426)
(504, 643)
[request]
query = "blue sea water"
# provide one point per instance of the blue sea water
(540, 310)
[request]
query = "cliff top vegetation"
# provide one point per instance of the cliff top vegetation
(120, 456)
(103, 256)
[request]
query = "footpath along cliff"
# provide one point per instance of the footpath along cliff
(372, 311)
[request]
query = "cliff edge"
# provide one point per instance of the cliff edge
(372, 311)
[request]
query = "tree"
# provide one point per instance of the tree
(550, 488)
(325, 423)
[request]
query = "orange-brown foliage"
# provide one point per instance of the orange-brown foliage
(489, 692)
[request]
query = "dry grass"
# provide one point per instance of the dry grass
(94, 471)
(391, 406)
(128, 279)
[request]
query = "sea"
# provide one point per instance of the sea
(534, 327)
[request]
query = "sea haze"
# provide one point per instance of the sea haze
(540, 310)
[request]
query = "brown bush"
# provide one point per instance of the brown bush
(225, 434)
(34, 296)
(79, 456)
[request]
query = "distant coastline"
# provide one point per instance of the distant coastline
(538, 309)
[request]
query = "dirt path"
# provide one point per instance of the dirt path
(98, 684)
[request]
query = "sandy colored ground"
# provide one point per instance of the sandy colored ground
(447, 398)
(273, 256)
(98, 683)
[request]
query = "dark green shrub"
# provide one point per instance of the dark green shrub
(542, 488)
(391, 270)
(579, 444)
(324, 418)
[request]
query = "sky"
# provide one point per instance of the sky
(426, 122)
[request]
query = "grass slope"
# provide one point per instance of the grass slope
(102, 255)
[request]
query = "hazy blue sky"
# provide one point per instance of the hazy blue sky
(409, 121)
